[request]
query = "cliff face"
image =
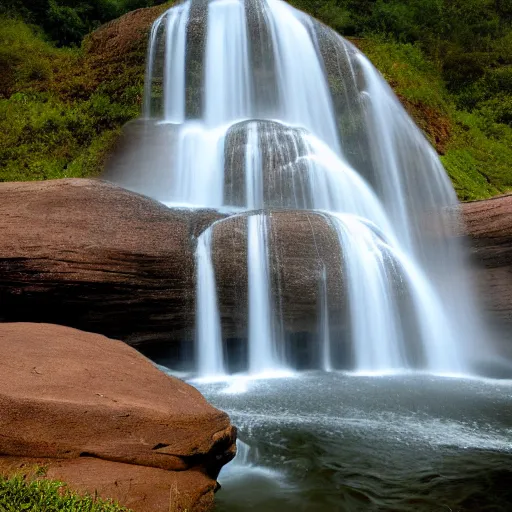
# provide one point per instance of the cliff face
(94, 256)
(489, 224)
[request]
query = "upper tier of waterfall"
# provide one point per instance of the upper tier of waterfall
(253, 106)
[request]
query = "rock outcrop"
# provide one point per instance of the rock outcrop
(94, 256)
(97, 257)
(489, 224)
(102, 418)
(303, 246)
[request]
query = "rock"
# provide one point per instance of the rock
(97, 257)
(304, 264)
(94, 256)
(303, 245)
(99, 413)
(489, 224)
(121, 36)
(140, 488)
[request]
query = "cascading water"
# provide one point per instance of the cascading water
(266, 109)
(210, 360)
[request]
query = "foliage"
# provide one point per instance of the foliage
(67, 22)
(19, 494)
(479, 156)
(449, 61)
(469, 41)
(57, 119)
(476, 146)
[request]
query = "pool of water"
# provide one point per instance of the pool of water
(338, 442)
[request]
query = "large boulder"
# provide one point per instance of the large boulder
(97, 257)
(96, 412)
(94, 256)
(489, 224)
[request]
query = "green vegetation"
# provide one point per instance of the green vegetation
(449, 61)
(67, 22)
(19, 494)
(475, 143)
(60, 112)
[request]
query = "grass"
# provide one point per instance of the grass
(58, 118)
(33, 495)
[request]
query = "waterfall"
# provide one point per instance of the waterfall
(262, 336)
(271, 111)
(323, 330)
(209, 337)
(227, 85)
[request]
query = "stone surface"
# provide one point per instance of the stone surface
(302, 246)
(94, 256)
(102, 416)
(97, 257)
(140, 488)
(489, 224)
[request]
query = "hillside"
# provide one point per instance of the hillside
(62, 106)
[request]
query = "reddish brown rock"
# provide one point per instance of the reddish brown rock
(303, 245)
(94, 256)
(97, 257)
(140, 488)
(489, 224)
(103, 416)
(123, 35)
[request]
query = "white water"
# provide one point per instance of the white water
(210, 360)
(227, 86)
(262, 336)
(285, 114)
(323, 330)
(381, 346)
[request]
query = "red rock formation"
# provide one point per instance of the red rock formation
(303, 245)
(105, 419)
(489, 224)
(94, 256)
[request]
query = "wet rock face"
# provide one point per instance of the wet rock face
(81, 402)
(302, 246)
(93, 256)
(304, 256)
(283, 154)
(489, 225)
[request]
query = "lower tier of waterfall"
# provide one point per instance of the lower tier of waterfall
(392, 317)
